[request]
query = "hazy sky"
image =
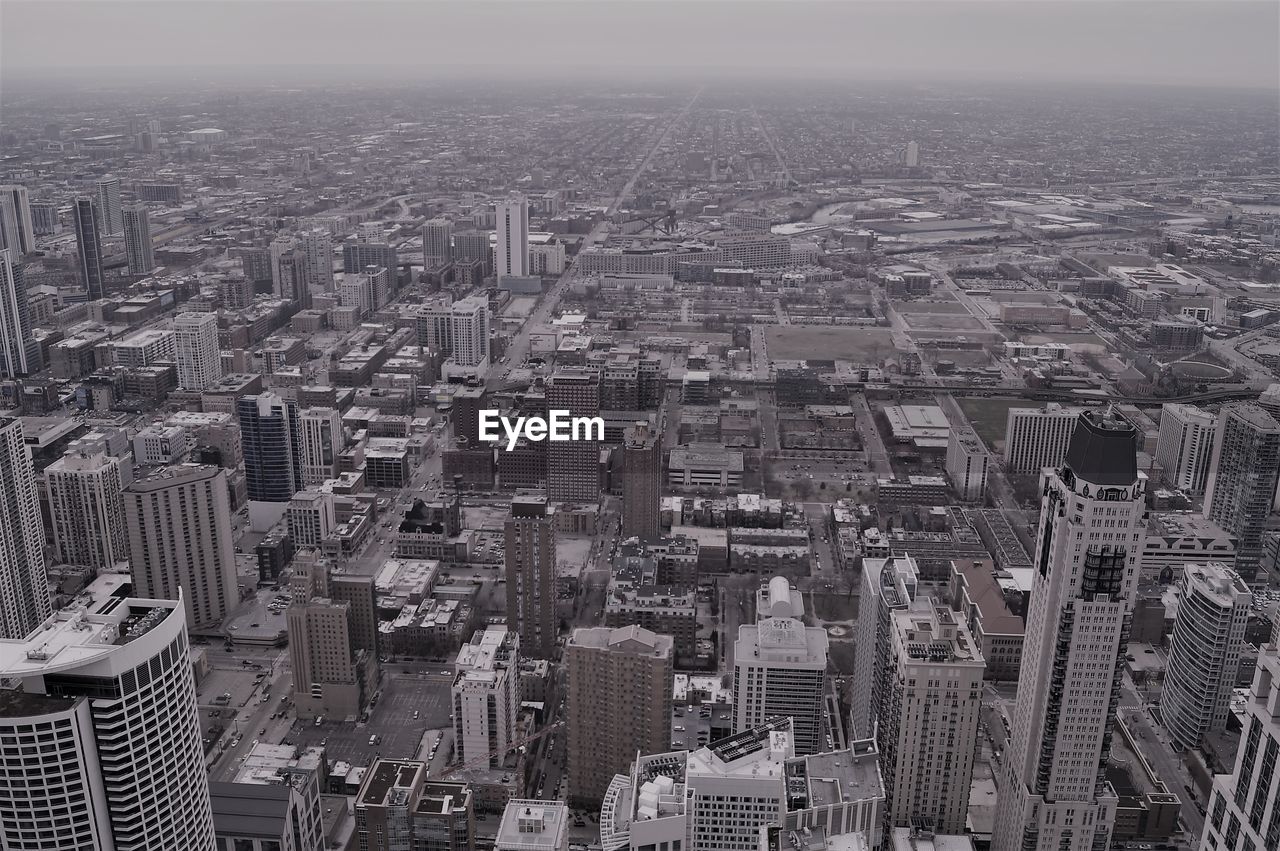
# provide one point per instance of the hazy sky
(1217, 42)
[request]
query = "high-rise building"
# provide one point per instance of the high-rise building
(1204, 653)
(780, 668)
(619, 704)
(1242, 484)
(181, 541)
(108, 199)
(86, 508)
(320, 430)
(24, 588)
(138, 249)
(1244, 806)
(272, 446)
(316, 248)
(573, 466)
(310, 517)
(511, 257)
(928, 729)
(358, 255)
(399, 808)
(888, 585)
(16, 231)
(108, 702)
(89, 248)
(283, 280)
(912, 154)
(1053, 790)
(533, 825)
(332, 622)
(1036, 438)
(967, 463)
(19, 350)
(45, 218)
(474, 245)
(531, 574)
(469, 332)
(1186, 446)
(641, 482)
(437, 242)
(199, 358)
(486, 696)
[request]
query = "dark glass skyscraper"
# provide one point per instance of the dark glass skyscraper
(272, 446)
(89, 244)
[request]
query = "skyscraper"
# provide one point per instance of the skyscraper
(138, 249)
(19, 350)
(272, 446)
(104, 732)
(469, 331)
(912, 155)
(641, 482)
(573, 466)
(1186, 446)
(321, 433)
(780, 668)
(86, 507)
(16, 231)
(437, 242)
(24, 588)
(282, 279)
(358, 255)
(531, 574)
(1244, 807)
(1036, 438)
(180, 537)
(199, 358)
(1242, 485)
(89, 247)
(109, 206)
(929, 723)
(1053, 788)
(486, 696)
(1204, 653)
(511, 257)
(316, 247)
(888, 585)
(474, 245)
(619, 704)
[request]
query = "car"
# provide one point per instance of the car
(319, 720)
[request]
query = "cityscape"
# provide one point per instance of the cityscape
(592, 426)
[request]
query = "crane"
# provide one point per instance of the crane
(484, 759)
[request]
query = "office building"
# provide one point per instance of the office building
(16, 231)
(1185, 446)
(533, 826)
(315, 248)
(104, 731)
(474, 246)
(311, 517)
(619, 704)
(196, 343)
(180, 537)
(573, 466)
(780, 668)
(1242, 484)
(89, 248)
(511, 256)
(45, 218)
(283, 280)
(270, 440)
(399, 808)
(109, 206)
(320, 430)
(1053, 788)
(1036, 438)
(138, 249)
(273, 804)
(888, 585)
(469, 334)
(1244, 806)
(1204, 652)
(360, 254)
(145, 347)
(530, 548)
(486, 697)
(928, 729)
(437, 242)
(332, 624)
(24, 589)
(641, 482)
(86, 508)
(19, 350)
(967, 463)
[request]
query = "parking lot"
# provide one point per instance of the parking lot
(399, 733)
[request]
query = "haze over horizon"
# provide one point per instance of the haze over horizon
(1222, 44)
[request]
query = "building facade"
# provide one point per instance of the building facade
(1242, 486)
(530, 547)
(24, 589)
(86, 508)
(1036, 438)
(198, 355)
(1185, 446)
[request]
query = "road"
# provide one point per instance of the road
(644, 163)
(1157, 749)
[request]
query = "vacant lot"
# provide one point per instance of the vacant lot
(929, 307)
(991, 416)
(796, 342)
(948, 322)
